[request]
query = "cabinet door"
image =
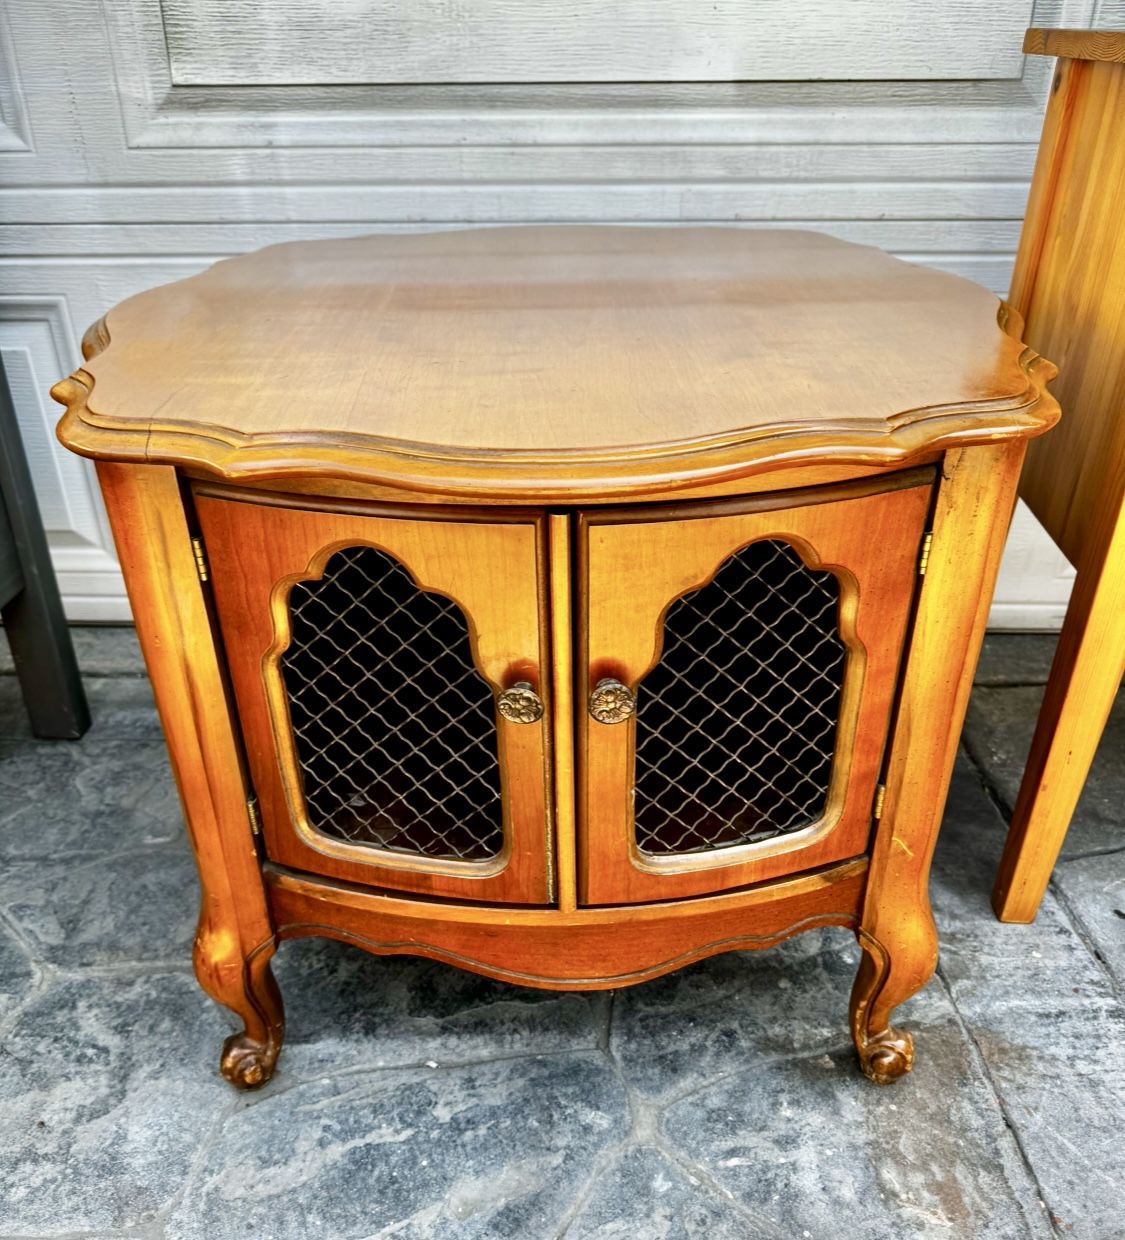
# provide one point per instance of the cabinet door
(759, 643)
(368, 652)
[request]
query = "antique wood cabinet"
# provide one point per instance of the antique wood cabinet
(567, 604)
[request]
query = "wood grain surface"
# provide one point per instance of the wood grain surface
(632, 568)
(1069, 285)
(553, 362)
(974, 502)
(580, 949)
(494, 571)
(1076, 44)
(234, 939)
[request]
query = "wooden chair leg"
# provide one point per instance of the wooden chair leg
(1083, 683)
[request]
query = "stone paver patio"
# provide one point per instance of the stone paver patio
(413, 1100)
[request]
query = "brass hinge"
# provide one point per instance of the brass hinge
(200, 558)
(924, 556)
(880, 797)
(253, 815)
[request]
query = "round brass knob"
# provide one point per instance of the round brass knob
(611, 701)
(520, 703)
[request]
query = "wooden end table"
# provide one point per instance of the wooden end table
(564, 603)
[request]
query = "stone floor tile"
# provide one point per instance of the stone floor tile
(108, 1088)
(816, 1151)
(1046, 1016)
(645, 1196)
(128, 908)
(1052, 1034)
(346, 1009)
(120, 706)
(109, 1093)
(1040, 962)
(101, 650)
(998, 731)
(968, 851)
(711, 1019)
(1093, 889)
(17, 974)
(1016, 658)
(490, 1150)
(59, 798)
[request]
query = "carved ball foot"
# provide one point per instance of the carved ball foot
(247, 1064)
(887, 1056)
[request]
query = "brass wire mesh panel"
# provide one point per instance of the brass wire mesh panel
(736, 725)
(394, 728)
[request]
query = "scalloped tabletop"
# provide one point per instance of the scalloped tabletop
(517, 359)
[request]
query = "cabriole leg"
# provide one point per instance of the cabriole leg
(886, 978)
(235, 939)
(248, 989)
(974, 502)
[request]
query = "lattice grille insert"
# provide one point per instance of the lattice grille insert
(394, 729)
(736, 725)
